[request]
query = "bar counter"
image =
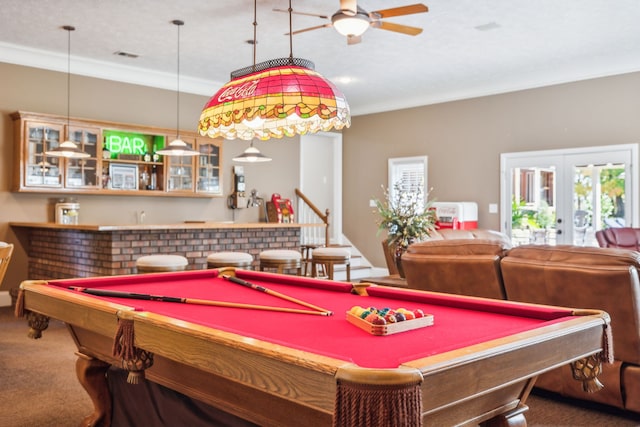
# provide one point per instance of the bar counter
(59, 251)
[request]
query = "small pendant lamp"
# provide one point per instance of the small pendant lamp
(252, 155)
(178, 147)
(68, 148)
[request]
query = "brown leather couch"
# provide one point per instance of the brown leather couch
(464, 262)
(621, 238)
(600, 278)
(570, 276)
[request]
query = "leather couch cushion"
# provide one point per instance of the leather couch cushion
(460, 266)
(569, 276)
(451, 234)
(631, 387)
(460, 247)
(577, 255)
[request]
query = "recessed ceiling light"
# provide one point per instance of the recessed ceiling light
(487, 27)
(126, 54)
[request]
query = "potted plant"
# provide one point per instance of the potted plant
(407, 218)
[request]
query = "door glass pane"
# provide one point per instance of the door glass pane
(598, 200)
(533, 205)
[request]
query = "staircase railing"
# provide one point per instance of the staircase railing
(308, 213)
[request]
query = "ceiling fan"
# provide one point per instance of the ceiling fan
(352, 21)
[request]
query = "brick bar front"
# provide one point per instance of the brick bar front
(60, 252)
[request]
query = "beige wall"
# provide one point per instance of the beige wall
(31, 89)
(463, 141)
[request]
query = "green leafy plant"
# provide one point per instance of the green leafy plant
(519, 215)
(406, 217)
(544, 217)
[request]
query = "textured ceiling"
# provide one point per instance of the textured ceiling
(468, 47)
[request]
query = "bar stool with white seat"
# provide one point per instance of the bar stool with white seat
(281, 260)
(161, 263)
(229, 259)
(329, 257)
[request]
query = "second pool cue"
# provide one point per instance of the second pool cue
(274, 293)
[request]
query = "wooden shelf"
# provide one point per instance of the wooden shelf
(35, 133)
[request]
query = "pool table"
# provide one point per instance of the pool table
(476, 364)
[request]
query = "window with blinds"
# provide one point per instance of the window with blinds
(408, 175)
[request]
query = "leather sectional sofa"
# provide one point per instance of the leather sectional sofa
(621, 238)
(569, 276)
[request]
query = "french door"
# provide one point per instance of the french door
(565, 196)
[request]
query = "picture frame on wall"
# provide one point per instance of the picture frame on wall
(123, 177)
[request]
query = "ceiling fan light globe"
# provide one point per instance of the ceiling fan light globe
(351, 25)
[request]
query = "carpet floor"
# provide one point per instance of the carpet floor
(38, 386)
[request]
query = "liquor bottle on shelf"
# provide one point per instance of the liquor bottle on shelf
(147, 156)
(106, 179)
(153, 185)
(156, 156)
(144, 178)
(106, 154)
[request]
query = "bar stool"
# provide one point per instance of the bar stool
(160, 263)
(329, 257)
(307, 250)
(229, 259)
(281, 259)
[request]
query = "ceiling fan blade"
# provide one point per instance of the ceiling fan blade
(404, 29)
(304, 30)
(400, 11)
(301, 13)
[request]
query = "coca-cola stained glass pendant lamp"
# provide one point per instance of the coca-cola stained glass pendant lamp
(273, 99)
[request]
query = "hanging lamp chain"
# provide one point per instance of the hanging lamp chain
(178, 23)
(290, 32)
(255, 31)
(69, 28)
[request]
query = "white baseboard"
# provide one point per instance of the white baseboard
(5, 299)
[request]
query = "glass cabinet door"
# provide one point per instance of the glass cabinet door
(40, 169)
(180, 171)
(209, 167)
(82, 173)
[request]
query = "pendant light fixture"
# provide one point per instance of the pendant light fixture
(276, 98)
(252, 155)
(178, 147)
(68, 148)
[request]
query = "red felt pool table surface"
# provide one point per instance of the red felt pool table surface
(478, 360)
(478, 321)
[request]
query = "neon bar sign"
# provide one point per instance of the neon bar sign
(118, 142)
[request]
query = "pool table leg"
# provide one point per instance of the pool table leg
(91, 373)
(514, 418)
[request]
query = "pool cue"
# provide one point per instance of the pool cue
(274, 293)
(148, 297)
